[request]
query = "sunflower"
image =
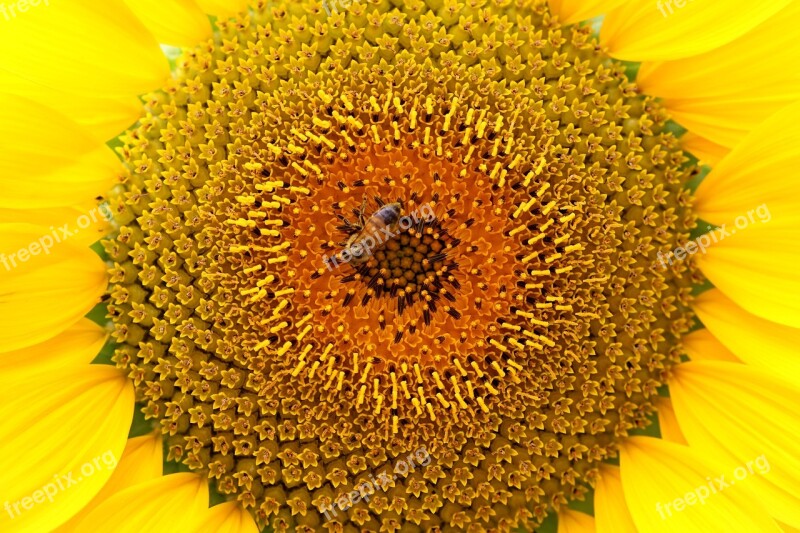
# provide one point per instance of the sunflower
(384, 265)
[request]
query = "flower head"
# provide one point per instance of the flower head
(453, 236)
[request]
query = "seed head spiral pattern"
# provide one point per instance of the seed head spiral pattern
(516, 335)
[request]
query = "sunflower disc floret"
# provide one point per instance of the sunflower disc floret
(516, 336)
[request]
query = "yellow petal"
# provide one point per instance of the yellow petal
(753, 192)
(176, 22)
(747, 418)
(62, 433)
(177, 502)
(610, 509)
(758, 342)
(103, 118)
(763, 169)
(572, 11)
(228, 517)
(727, 120)
(223, 8)
(659, 30)
(788, 529)
(86, 224)
(49, 160)
(702, 345)
(707, 152)
(756, 264)
(667, 488)
(44, 294)
(78, 345)
(570, 521)
(670, 430)
(723, 94)
(141, 461)
(81, 47)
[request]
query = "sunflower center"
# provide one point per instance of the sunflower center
(347, 238)
(406, 261)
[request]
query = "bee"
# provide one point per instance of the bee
(373, 231)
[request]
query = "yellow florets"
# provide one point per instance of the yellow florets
(515, 336)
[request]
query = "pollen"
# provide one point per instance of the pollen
(515, 332)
